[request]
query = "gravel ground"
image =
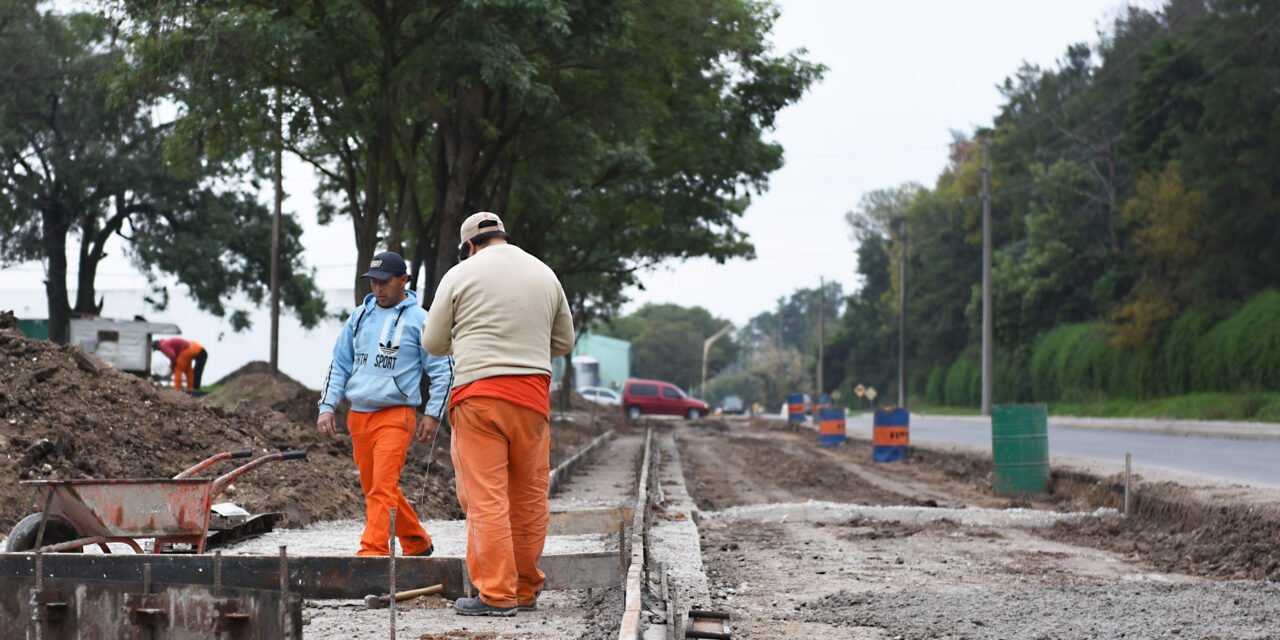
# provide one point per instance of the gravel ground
(1242, 609)
(839, 568)
(605, 481)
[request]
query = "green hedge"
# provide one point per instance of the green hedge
(1203, 350)
(935, 391)
(961, 378)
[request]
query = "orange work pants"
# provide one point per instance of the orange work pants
(183, 366)
(501, 459)
(379, 442)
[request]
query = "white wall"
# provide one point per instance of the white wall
(304, 354)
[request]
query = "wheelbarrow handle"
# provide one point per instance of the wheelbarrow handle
(225, 479)
(204, 464)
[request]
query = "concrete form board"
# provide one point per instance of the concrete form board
(316, 577)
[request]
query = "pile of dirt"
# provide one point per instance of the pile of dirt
(1173, 530)
(65, 414)
(252, 388)
(256, 366)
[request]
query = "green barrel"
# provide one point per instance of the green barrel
(1020, 448)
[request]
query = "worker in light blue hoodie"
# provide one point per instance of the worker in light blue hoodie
(378, 363)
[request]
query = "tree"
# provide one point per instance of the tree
(666, 343)
(94, 168)
(611, 134)
(1165, 219)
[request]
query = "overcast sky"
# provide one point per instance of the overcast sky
(901, 76)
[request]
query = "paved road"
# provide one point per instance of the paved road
(1239, 460)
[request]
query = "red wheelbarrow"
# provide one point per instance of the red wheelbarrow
(78, 513)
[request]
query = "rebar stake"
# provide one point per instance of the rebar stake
(217, 573)
(35, 604)
(286, 621)
(1128, 460)
(391, 597)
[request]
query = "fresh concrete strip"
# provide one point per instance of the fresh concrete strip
(834, 513)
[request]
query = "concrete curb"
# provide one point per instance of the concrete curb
(566, 468)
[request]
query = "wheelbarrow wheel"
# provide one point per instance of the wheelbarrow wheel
(57, 529)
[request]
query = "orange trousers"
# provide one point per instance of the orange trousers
(183, 366)
(501, 458)
(379, 442)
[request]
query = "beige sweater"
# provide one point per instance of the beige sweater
(500, 312)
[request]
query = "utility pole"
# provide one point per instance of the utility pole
(822, 295)
(988, 343)
(706, 349)
(902, 317)
(275, 240)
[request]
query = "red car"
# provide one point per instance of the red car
(654, 396)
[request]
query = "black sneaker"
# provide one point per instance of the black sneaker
(430, 550)
(477, 607)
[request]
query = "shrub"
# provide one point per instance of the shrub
(958, 388)
(935, 389)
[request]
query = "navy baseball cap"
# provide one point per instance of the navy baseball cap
(385, 266)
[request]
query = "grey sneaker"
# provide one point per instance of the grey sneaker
(532, 606)
(477, 607)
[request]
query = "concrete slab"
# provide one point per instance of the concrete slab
(834, 512)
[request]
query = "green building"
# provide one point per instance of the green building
(598, 361)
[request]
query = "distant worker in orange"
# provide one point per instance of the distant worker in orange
(186, 357)
(503, 315)
(378, 364)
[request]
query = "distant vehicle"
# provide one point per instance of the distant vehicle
(654, 396)
(733, 405)
(601, 395)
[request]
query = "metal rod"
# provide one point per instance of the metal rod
(902, 316)
(822, 334)
(1128, 461)
(146, 578)
(217, 573)
(286, 627)
(278, 182)
(391, 548)
(988, 339)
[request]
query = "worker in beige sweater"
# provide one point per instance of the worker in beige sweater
(503, 315)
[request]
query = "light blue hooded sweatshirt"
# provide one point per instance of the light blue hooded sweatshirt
(378, 361)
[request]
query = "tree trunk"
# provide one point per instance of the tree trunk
(462, 136)
(366, 244)
(565, 396)
(54, 238)
(86, 290)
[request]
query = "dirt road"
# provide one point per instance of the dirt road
(1178, 568)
